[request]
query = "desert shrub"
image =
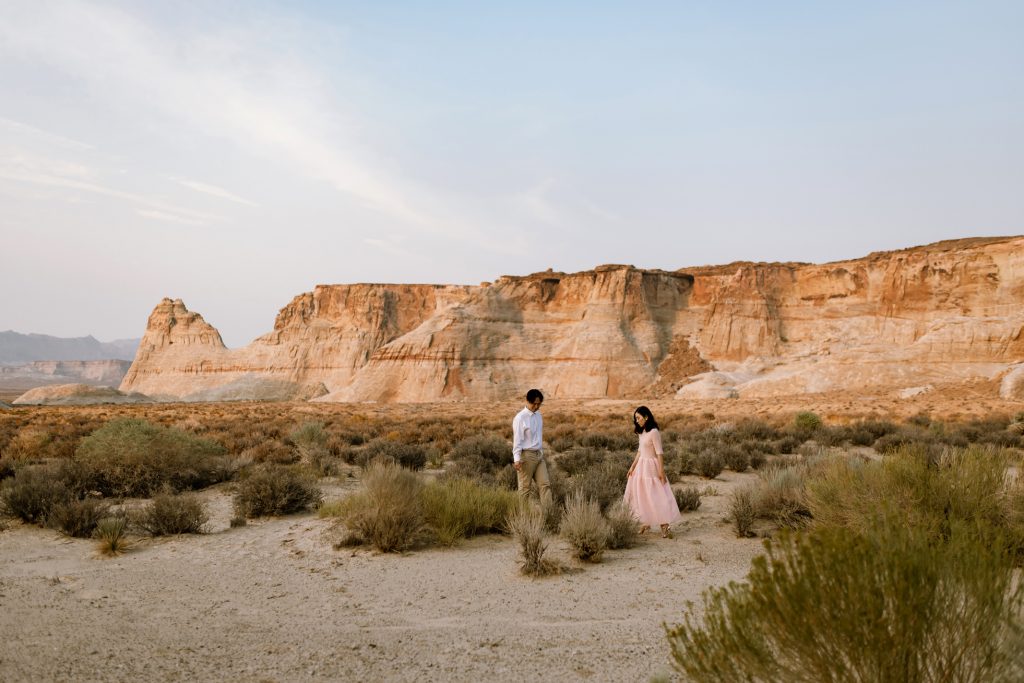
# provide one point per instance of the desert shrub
(960, 486)
(623, 527)
(77, 518)
(890, 605)
(779, 495)
(708, 464)
(743, 511)
(170, 514)
(459, 508)
(32, 493)
(490, 447)
(579, 459)
(526, 524)
(112, 535)
(678, 462)
(408, 455)
(751, 429)
(604, 483)
(270, 451)
(131, 457)
(275, 490)
(735, 458)
(610, 442)
(757, 460)
(688, 498)
(788, 444)
(806, 422)
(388, 512)
(585, 528)
(311, 440)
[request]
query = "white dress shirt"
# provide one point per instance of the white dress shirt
(527, 432)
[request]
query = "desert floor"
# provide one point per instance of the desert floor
(273, 601)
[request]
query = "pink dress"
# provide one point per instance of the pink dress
(651, 501)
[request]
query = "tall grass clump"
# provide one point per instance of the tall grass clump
(526, 524)
(834, 605)
(585, 528)
(388, 513)
(131, 457)
(169, 514)
(310, 440)
(112, 535)
(459, 508)
(275, 490)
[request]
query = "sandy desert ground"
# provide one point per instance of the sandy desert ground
(273, 601)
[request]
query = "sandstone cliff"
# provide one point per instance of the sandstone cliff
(946, 312)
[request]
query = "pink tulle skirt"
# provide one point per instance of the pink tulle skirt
(651, 501)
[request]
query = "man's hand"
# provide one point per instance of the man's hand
(518, 465)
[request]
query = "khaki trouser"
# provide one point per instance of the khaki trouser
(532, 467)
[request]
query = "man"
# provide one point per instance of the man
(528, 448)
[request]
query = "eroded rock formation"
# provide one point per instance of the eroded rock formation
(946, 312)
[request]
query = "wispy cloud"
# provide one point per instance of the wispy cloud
(214, 191)
(228, 85)
(40, 171)
(24, 130)
(170, 217)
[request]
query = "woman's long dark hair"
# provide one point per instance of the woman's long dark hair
(649, 425)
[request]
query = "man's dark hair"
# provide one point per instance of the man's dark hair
(649, 425)
(534, 395)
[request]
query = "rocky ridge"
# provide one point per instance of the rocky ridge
(903, 321)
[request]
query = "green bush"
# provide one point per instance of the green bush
(32, 493)
(889, 605)
(460, 508)
(960, 486)
(275, 490)
(388, 513)
(806, 421)
(170, 514)
(78, 518)
(585, 528)
(130, 457)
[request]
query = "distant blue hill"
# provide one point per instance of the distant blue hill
(16, 347)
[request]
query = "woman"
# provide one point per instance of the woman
(648, 493)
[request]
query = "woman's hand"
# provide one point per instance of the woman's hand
(630, 473)
(661, 477)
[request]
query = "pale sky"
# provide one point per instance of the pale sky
(235, 154)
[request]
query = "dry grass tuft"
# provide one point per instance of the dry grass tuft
(526, 524)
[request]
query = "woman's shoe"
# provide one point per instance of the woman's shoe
(644, 529)
(666, 532)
